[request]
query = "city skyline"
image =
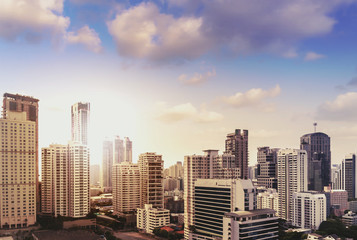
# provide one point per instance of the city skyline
(200, 89)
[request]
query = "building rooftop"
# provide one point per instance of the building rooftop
(250, 213)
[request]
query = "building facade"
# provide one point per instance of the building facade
(348, 175)
(292, 177)
(149, 218)
(65, 182)
(237, 145)
(18, 179)
(267, 165)
(309, 209)
(317, 146)
(128, 155)
(80, 113)
(268, 199)
(15, 103)
(151, 180)
(126, 187)
(107, 163)
(254, 224)
(215, 197)
(118, 150)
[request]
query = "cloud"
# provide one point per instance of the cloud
(253, 97)
(311, 56)
(197, 78)
(143, 32)
(86, 36)
(187, 111)
(224, 26)
(343, 108)
(352, 82)
(32, 20)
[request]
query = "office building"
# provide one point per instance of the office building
(151, 180)
(206, 166)
(80, 122)
(253, 224)
(336, 201)
(317, 146)
(268, 199)
(18, 179)
(237, 145)
(107, 163)
(292, 177)
(65, 182)
(126, 187)
(267, 164)
(118, 150)
(95, 175)
(215, 197)
(348, 175)
(336, 182)
(15, 103)
(149, 218)
(309, 209)
(128, 155)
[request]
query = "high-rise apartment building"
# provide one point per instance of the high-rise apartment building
(348, 175)
(209, 165)
(18, 159)
(151, 180)
(237, 145)
(176, 170)
(15, 103)
(65, 182)
(80, 122)
(309, 209)
(268, 199)
(126, 187)
(292, 177)
(336, 182)
(149, 218)
(118, 150)
(317, 146)
(267, 163)
(107, 163)
(95, 174)
(128, 155)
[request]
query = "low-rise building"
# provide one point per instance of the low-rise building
(149, 218)
(349, 218)
(255, 224)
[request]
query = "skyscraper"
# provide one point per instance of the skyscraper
(19, 103)
(237, 145)
(151, 180)
(349, 175)
(317, 146)
(126, 187)
(18, 179)
(65, 183)
(267, 162)
(128, 150)
(107, 163)
(118, 150)
(80, 122)
(292, 177)
(94, 174)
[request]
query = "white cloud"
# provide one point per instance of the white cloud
(32, 20)
(253, 97)
(228, 26)
(144, 32)
(343, 108)
(311, 56)
(86, 36)
(197, 78)
(186, 111)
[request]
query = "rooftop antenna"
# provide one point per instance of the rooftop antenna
(315, 124)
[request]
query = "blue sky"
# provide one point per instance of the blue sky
(177, 75)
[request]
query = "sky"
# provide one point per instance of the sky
(176, 76)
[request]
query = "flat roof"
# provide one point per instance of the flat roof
(250, 213)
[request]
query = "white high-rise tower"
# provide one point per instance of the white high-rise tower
(80, 122)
